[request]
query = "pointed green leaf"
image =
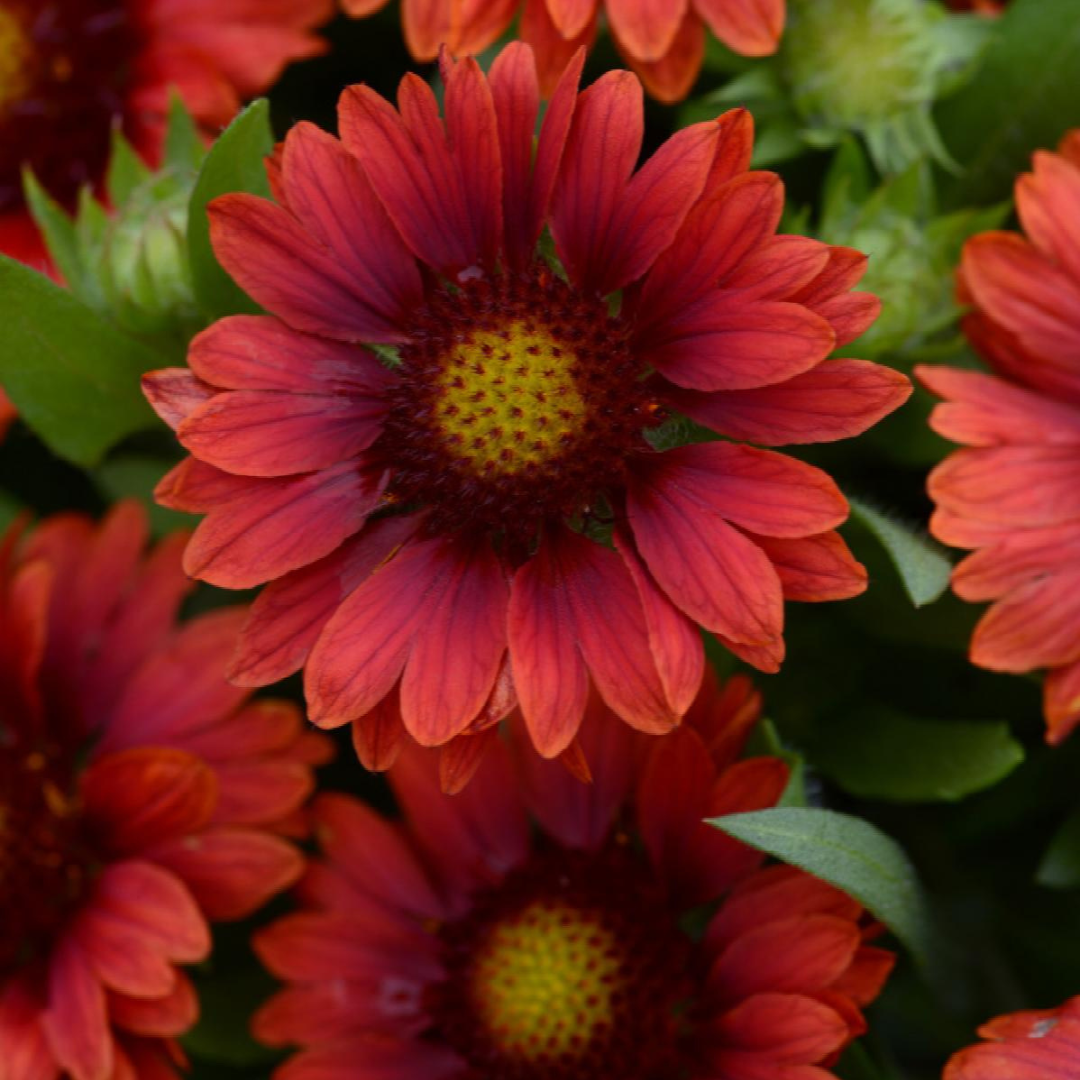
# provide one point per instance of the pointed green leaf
(851, 854)
(126, 169)
(73, 376)
(59, 231)
(880, 754)
(923, 564)
(235, 163)
(184, 147)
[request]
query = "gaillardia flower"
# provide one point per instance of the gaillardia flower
(662, 40)
(1013, 494)
(536, 928)
(140, 796)
(488, 517)
(71, 69)
(1033, 1045)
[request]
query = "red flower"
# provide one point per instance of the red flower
(535, 928)
(1034, 1045)
(662, 40)
(7, 413)
(432, 526)
(982, 7)
(1014, 495)
(139, 796)
(73, 68)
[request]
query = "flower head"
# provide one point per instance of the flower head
(486, 519)
(1013, 495)
(140, 796)
(71, 69)
(663, 41)
(534, 928)
(1033, 1045)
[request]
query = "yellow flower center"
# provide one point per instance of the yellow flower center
(545, 982)
(15, 53)
(508, 399)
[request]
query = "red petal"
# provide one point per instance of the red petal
(277, 262)
(983, 410)
(1061, 702)
(555, 55)
(609, 231)
(256, 352)
(748, 27)
(261, 433)
(783, 1028)
(419, 177)
(1034, 626)
(1035, 485)
(1048, 201)
(375, 855)
(670, 77)
(646, 28)
(710, 570)
(163, 1017)
(175, 393)
(724, 228)
(835, 400)
(140, 797)
(290, 613)
(571, 17)
(333, 199)
(75, 1022)
(726, 343)
(815, 568)
(232, 871)
(800, 954)
(674, 640)
(280, 524)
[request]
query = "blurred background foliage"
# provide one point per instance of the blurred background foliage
(901, 142)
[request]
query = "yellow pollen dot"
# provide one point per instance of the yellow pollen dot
(15, 53)
(508, 400)
(546, 980)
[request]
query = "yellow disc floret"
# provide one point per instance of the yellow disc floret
(546, 980)
(509, 400)
(14, 58)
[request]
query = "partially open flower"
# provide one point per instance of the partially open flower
(487, 518)
(662, 40)
(1013, 496)
(1033, 1045)
(71, 69)
(534, 928)
(140, 796)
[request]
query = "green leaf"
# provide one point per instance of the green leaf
(1023, 97)
(235, 163)
(136, 478)
(126, 170)
(1060, 866)
(73, 376)
(184, 148)
(881, 754)
(923, 565)
(851, 854)
(59, 231)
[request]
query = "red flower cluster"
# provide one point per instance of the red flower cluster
(534, 928)
(71, 69)
(140, 796)
(1034, 1045)
(435, 529)
(1014, 495)
(663, 40)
